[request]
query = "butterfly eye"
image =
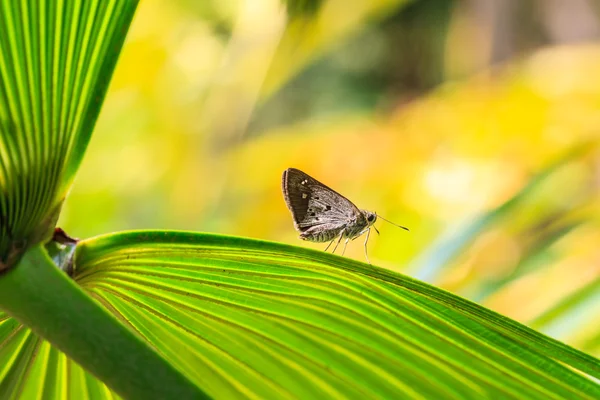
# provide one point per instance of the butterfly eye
(371, 218)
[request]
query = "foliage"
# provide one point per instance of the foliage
(180, 314)
(56, 62)
(262, 319)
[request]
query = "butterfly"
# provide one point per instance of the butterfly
(323, 215)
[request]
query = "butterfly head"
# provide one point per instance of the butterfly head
(371, 217)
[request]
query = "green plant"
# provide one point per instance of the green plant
(162, 314)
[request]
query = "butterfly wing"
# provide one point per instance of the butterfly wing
(319, 212)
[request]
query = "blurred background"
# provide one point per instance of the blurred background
(474, 123)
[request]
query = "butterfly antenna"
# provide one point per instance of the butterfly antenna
(376, 230)
(390, 222)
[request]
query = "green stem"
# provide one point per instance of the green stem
(46, 300)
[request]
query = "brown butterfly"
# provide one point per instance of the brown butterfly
(323, 215)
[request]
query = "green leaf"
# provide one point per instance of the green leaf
(52, 305)
(248, 318)
(56, 59)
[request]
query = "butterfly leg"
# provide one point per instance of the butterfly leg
(329, 245)
(338, 242)
(366, 241)
(345, 244)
